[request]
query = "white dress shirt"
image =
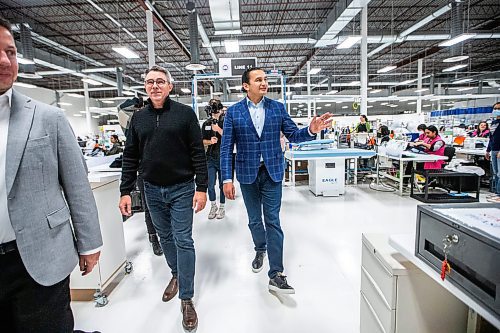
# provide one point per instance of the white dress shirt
(258, 114)
(6, 231)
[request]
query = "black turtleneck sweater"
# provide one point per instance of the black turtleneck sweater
(166, 145)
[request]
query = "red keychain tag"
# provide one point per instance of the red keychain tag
(445, 269)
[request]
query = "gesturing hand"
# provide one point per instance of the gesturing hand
(320, 123)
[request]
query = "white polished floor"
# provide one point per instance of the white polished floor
(322, 260)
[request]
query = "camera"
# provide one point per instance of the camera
(214, 106)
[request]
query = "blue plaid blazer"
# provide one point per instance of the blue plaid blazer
(239, 130)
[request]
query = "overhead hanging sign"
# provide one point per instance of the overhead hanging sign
(235, 66)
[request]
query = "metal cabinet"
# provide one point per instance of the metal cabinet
(397, 297)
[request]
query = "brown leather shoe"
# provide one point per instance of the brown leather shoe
(189, 317)
(171, 290)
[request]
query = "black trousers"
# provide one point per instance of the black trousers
(28, 307)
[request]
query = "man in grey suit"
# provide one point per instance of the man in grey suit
(48, 216)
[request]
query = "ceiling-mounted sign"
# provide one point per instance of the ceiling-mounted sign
(235, 66)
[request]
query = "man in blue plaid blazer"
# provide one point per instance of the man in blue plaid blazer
(254, 124)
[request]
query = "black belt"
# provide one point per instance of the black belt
(8, 247)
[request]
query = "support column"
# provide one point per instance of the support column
(194, 93)
(419, 85)
(364, 60)
(439, 94)
(87, 107)
(151, 39)
(308, 90)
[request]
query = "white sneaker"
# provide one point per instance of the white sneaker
(221, 213)
(213, 212)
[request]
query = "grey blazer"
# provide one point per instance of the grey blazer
(51, 205)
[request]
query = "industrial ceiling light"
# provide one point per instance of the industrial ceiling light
(421, 90)
(108, 102)
(456, 59)
(128, 93)
(354, 83)
(129, 33)
(30, 75)
(454, 68)
(113, 20)
(64, 104)
(75, 95)
(387, 69)
(410, 103)
(186, 90)
(196, 67)
(457, 39)
(24, 61)
(232, 45)
(126, 52)
(375, 91)
(328, 104)
(92, 82)
(24, 85)
(331, 92)
(349, 42)
(228, 32)
(95, 5)
(314, 71)
(462, 81)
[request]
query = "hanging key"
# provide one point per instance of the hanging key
(445, 266)
(448, 242)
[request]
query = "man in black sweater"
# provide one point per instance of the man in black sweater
(164, 140)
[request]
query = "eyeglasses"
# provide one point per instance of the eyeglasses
(159, 82)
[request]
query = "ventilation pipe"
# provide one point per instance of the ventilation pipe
(456, 25)
(28, 69)
(194, 38)
(119, 81)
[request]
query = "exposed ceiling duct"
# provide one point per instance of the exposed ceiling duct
(27, 64)
(416, 26)
(225, 16)
(46, 41)
(338, 18)
(456, 25)
(194, 38)
(387, 39)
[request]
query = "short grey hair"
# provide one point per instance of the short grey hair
(156, 68)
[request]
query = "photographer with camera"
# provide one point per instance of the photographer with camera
(212, 134)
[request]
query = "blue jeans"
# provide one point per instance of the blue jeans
(171, 209)
(495, 166)
(214, 172)
(264, 195)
